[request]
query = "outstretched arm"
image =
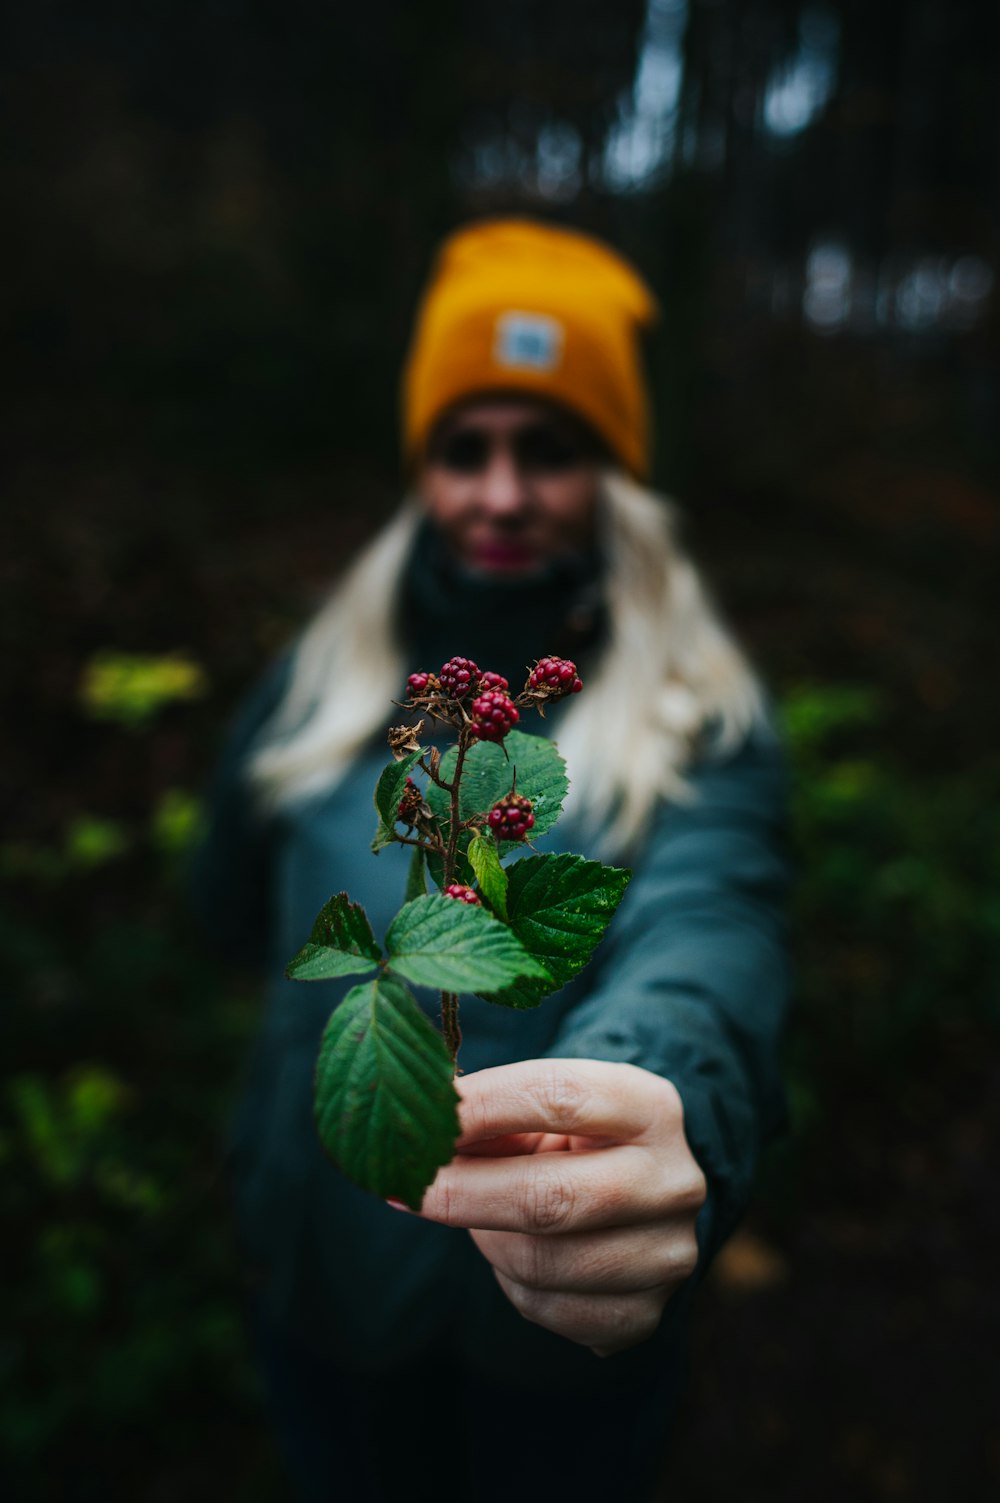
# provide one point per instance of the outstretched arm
(585, 1177)
(693, 980)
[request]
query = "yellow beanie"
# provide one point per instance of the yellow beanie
(514, 305)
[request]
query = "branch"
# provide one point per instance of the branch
(436, 846)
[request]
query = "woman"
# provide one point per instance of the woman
(611, 1134)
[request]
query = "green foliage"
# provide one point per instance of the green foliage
(388, 792)
(437, 941)
(91, 842)
(897, 902)
(384, 1103)
(811, 713)
(116, 1312)
(175, 822)
(379, 1047)
(416, 877)
(559, 907)
(491, 876)
(488, 774)
(132, 688)
(386, 1106)
(62, 1123)
(341, 944)
(70, 1272)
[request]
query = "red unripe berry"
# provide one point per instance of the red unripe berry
(463, 894)
(493, 715)
(556, 674)
(511, 818)
(417, 683)
(493, 681)
(459, 676)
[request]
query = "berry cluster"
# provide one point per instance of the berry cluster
(459, 677)
(463, 894)
(550, 678)
(409, 804)
(511, 818)
(555, 675)
(493, 715)
(442, 693)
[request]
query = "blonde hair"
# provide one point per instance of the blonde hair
(668, 674)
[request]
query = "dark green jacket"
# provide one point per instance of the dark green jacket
(691, 982)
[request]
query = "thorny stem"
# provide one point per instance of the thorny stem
(455, 824)
(437, 846)
(449, 853)
(449, 1020)
(449, 1000)
(434, 776)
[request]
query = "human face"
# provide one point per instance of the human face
(512, 483)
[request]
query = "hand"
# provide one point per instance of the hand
(577, 1184)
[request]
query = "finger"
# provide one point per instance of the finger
(609, 1322)
(593, 1098)
(515, 1143)
(618, 1260)
(546, 1193)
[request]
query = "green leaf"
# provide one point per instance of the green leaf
(341, 944)
(416, 876)
(388, 792)
(523, 994)
(133, 687)
(485, 862)
(385, 1102)
(438, 941)
(559, 907)
(487, 775)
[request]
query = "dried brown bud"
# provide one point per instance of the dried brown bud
(404, 739)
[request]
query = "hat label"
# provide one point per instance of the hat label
(528, 341)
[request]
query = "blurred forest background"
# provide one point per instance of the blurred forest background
(217, 219)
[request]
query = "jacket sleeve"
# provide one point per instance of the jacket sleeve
(692, 981)
(230, 872)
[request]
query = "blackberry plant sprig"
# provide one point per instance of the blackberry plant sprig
(385, 1100)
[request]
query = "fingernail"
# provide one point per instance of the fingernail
(397, 1205)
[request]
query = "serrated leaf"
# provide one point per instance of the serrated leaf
(388, 792)
(522, 995)
(441, 942)
(485, 862)
(559, 907)
(487, 775)
(385, 1102)
(341, 944)
(416, 876)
